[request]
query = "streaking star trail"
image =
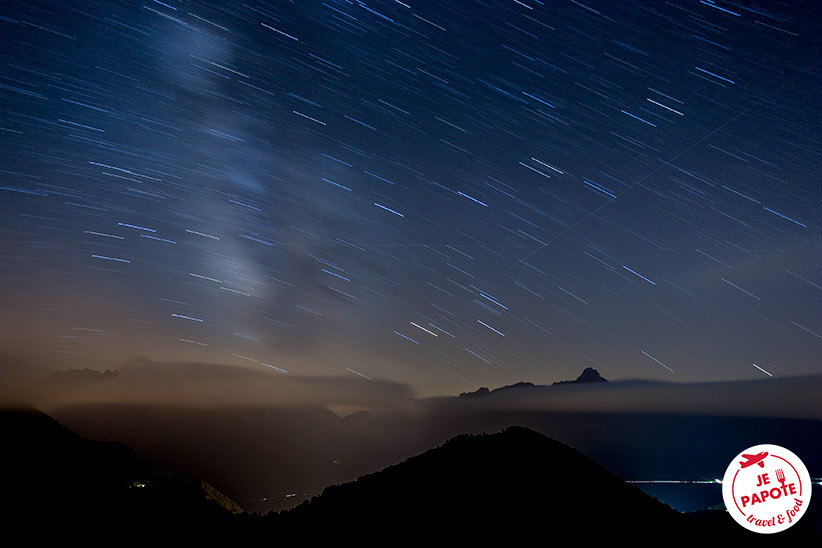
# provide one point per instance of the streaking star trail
(442, 194)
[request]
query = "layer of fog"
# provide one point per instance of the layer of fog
(205, 385)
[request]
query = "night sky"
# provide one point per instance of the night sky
(440, 194)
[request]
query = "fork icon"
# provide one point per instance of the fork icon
(780, 475)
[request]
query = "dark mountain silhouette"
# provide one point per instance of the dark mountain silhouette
(483, 392)
(505, 485)
(54, 476)
(512, 486)
(589, 375)
(264, 458)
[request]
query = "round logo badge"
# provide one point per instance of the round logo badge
(766, 488)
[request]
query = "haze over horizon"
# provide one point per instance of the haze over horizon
(435, 196)
(206, 387)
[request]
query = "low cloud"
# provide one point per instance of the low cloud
(208, 385)
(792, 397)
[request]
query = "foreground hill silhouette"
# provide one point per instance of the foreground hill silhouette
(56, 482)
(509, 486)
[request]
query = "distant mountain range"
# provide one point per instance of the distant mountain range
(589, 375)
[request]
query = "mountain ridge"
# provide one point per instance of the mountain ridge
(66, 477)
(510, 478)
(509, 486)
(589, 375)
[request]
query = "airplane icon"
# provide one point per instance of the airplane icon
(750, 460)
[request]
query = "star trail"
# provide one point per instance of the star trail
(442, 194)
